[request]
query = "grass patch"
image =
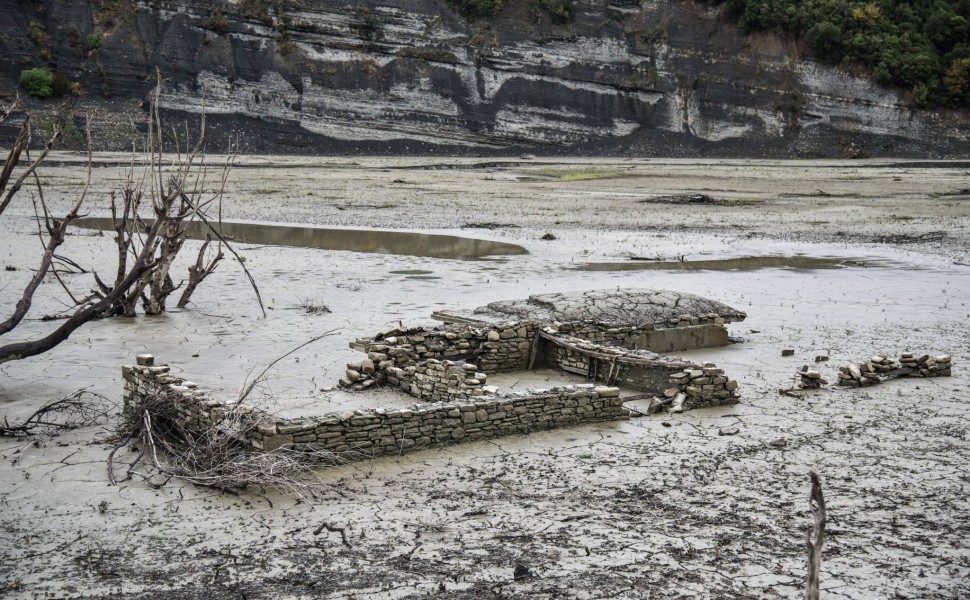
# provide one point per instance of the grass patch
(737, 201)
(576, 174)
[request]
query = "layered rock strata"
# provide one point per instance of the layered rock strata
(392, 76)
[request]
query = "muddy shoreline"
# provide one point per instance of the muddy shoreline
(655, 507)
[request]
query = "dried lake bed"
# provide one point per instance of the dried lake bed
(844, 259)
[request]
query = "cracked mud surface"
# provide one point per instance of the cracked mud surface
(624, 306)
(657, 507)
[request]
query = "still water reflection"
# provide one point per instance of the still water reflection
(355, 240)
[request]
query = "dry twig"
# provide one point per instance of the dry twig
(814, 538)
(333, 529)
(80, 409)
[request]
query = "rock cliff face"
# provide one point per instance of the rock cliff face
(651, 77)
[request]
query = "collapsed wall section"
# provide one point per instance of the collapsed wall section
(494, 349)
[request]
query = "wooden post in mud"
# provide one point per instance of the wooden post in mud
(534, 351)
(814, 538)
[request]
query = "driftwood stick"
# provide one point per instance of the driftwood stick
(814, 538)
(333, 528)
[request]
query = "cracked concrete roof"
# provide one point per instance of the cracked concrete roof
(622, 306)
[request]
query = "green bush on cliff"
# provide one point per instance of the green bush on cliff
(476, 9)
(920, 45)
(38, 82)
(218, 22)
(560, 11)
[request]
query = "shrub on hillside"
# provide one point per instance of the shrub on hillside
(38, 82)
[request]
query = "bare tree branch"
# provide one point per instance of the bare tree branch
(13, 158)
(33, 166)
(242, 262)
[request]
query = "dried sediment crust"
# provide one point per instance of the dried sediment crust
(629, 306)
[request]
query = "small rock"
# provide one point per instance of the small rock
(548, 237)
(728, 431)
(521, 572)
(779, 443)
(788, 352)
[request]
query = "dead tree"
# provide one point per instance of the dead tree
(814, 538)
(151, 220)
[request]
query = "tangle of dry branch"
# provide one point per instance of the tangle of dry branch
(213, 455)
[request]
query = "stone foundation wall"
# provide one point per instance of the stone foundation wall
(195, 408)
(508, 347)
(365, 433)
(394, 431)
(625, 336)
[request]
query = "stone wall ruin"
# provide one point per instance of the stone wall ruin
(446, 369)
(366, 433)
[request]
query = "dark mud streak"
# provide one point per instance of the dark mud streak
(728, 264)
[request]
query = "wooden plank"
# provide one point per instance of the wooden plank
(637, 397)
(447, 317)
(574, 370)
(624, 359)
(614, 373)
